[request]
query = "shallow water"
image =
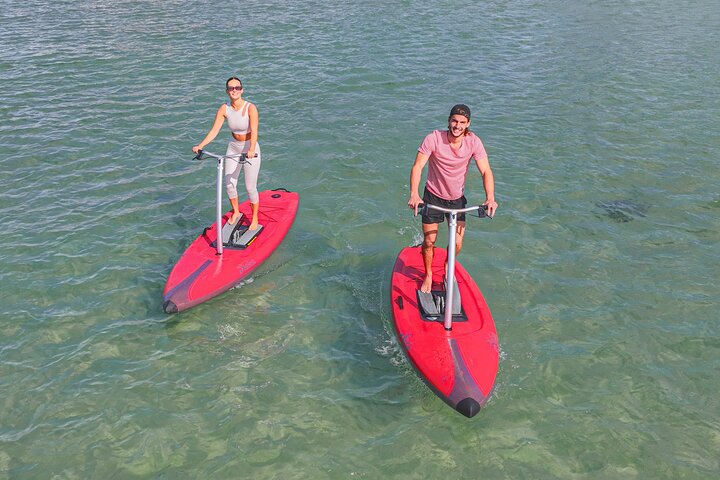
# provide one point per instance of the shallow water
(600, 267)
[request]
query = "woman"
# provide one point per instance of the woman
(242, 118)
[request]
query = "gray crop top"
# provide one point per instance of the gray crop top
(238, 120)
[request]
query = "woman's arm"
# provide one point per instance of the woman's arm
(214, 130)
(253, 114)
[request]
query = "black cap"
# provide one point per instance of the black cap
(461, 109)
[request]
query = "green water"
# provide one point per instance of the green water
(600, 268)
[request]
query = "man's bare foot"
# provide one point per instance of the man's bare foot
(233, 218)
(427, 285)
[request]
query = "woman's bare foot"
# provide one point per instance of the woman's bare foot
(234, 217)
(255, 208)
(427, 285)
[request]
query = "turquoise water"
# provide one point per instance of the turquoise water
(600, 267)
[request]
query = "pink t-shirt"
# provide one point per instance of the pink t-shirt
(447, 167)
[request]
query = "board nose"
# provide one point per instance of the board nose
(170, 307)
(468, 407)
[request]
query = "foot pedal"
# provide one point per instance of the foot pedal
(242, 237)
(432, 305)
(229, 228)
(457, 304)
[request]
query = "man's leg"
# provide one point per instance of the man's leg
(430, 235)
(460, 229)
(459, 237)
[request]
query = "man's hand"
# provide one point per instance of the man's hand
(414, 201)
(491, 207)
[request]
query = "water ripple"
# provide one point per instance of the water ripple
(600, 268)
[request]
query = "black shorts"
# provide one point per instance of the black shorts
(433, 216)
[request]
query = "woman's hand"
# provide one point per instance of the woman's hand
(197, 148)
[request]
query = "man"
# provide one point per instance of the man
(448, 154)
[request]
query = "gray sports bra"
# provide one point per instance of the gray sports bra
(238, 120)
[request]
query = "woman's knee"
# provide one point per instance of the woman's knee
(231, 186)
(251, 178)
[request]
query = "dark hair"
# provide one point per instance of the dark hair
(460, 109)
(231, 79)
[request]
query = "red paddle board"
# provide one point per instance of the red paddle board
(459, 365)
(200, 274)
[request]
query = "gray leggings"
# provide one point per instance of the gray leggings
(232, 170)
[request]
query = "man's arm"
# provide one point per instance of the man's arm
(488, 183)
(415, 175)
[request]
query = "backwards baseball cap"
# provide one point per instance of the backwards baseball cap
(460, 109)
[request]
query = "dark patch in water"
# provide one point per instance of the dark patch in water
(623, 211)
(714, 204)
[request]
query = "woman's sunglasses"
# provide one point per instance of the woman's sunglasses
(231, 88)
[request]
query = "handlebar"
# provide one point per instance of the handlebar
(240, 157)
(480, 209)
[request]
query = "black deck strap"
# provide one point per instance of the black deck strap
(229, 228)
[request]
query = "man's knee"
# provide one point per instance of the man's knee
(429, 238)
